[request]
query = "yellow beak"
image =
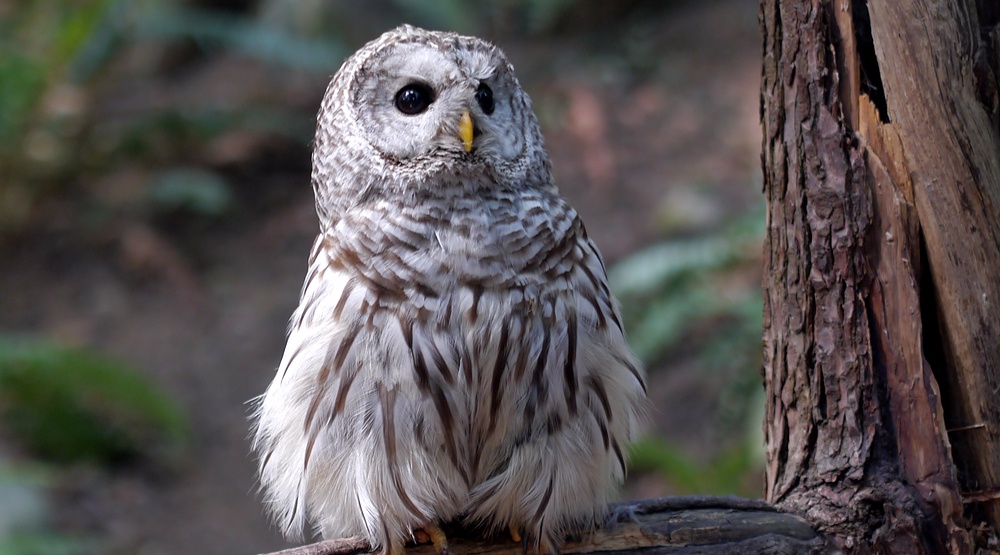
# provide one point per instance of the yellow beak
(465, 129)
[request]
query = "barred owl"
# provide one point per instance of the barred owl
(456, 353)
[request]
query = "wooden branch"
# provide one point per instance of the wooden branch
(683, 525)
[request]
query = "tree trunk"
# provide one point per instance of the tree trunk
(881, 161)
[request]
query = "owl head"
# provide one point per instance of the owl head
(415, 112)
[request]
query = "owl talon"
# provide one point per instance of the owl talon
(435, 535)
(514, 534)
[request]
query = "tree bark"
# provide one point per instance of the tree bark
(882, 269)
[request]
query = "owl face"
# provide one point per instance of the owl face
(418, 113)
(432, 95)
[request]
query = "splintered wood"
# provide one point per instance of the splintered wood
(951, 152)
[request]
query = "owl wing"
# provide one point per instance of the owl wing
(561, 397)
(356, 431)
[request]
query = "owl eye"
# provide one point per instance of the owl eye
(484, 96)
(414, 98)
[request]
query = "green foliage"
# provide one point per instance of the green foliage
(543, 14)
(192, 190)
(243, 34)
(39, 111)
(533, 16)
(725, 475)
(68, 405)
(44, 543)
(39, 43)
(677, 294)
(49, 53)
(23, 83)
(25, 523)
(453, 15)
(668, 288)
(162, 137)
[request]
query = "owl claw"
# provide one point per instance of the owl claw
(436, 536)
(514, 534)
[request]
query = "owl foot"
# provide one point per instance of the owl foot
(435, 535)
(514, 534)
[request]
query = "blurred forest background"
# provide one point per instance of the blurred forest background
(156, 216)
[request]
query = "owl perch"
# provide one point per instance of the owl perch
(685, 525)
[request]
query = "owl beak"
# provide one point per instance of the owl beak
(466, 129)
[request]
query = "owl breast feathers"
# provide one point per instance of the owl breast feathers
(456, 352)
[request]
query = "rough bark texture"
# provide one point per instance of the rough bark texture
(823, 412)
(855, 432)
(669, 525)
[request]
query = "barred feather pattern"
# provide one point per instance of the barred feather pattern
(456, 354)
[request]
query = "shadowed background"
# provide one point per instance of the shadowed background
(156, 216)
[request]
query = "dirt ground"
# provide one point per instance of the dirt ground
(202, 307)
